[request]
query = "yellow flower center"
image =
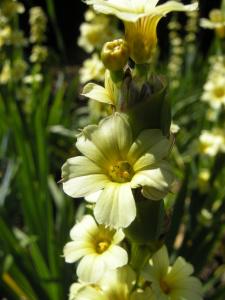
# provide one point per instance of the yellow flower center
(121, 172)
(219, 92)
(102, 246)
(165, 287)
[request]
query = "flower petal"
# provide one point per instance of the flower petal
(79, 166)
(118, 236)
(170, 6)
(180, 269)
(92, 198)
(114, 135)
(155, 182)
(159, 264)
(115, 257)
(91, 268)
(85, 144)
(150, 141)
(96, 92)
(124, 10)
(107, 142)
(84, 185)
(75, 250)
(116, 206)
(84, 227)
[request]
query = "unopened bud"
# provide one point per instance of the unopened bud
(115, 54)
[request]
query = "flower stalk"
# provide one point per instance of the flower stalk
(124, 169)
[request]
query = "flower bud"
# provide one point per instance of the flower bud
(115, 54)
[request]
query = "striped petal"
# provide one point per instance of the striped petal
(96, 92)
(116, 206)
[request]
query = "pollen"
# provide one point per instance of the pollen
(121, 172)
(102, 246)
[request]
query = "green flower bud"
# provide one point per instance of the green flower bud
(115, 54)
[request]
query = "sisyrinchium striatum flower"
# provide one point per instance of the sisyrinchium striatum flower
(97, 247)
(115, 285)
(140, 18)
(113, 164)
(172, 282)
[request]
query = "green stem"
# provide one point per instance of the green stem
(140, 254)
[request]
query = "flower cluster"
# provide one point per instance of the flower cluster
(216, 22)
(123, 171)
(92, 69)
(38, 24)
(95, 31)
(113, 164)
(159, 281)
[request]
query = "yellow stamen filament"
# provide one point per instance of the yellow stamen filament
(121, 171)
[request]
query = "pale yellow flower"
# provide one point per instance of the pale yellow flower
(212, 142)
(97, 247)
(93, 35)
(172, 282)
(115, 163)
(11, 8)
(39, 54)
(140, 18)
(214, 91)
(133, 10)
(92, 69)
(116, 285)
(216, 21)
